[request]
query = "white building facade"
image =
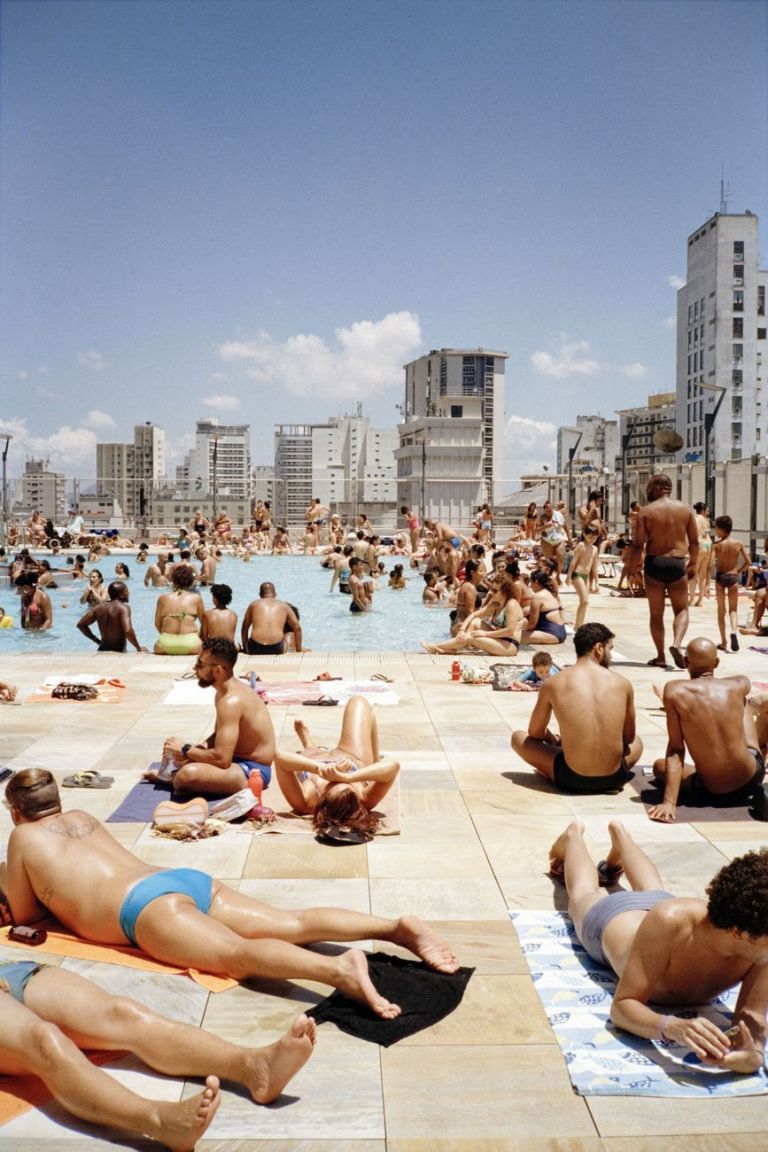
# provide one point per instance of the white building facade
(219, 465)
(450, 455)
(721, 341)
(596, 441)
(131, 473)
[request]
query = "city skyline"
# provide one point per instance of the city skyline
(261, 212)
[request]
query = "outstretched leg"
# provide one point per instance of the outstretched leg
(95, 1019)
(29, 1045)
(569, 858)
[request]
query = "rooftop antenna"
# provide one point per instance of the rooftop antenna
(725, 193)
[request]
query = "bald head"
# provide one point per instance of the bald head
(701, 656)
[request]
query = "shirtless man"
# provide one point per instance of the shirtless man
(466, 598)
(240, 750)
(263, 629)
(112, 617)
(731, 558)
(361, 591)
(208, 566)
(181, 916)
(43, 1032)
(713, 720)
(675, 952)
(219, 620)
(667, 529)
(155, 574)
(595, 709)
(444, 532)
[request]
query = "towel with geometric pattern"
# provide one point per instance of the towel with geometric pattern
(576, 993)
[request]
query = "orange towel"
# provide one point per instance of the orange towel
(63, 943)
(20, 1093)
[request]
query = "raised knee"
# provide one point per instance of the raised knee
(127, 1014)
(518, 739)
(47, 1046)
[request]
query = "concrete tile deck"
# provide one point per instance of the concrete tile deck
(476, 826)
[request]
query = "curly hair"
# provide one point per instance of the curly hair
(183, 577)
(342, 808)
(223, 649)
(222, 594)
(738, 895)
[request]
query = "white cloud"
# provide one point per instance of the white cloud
(98, 420)
(369, 358)
(225, 403)
(675, 282)
(90, 358)
(571, 360)
(69, 450)
(634, 371)
(22, 375)
(527, 445)
(669, 322)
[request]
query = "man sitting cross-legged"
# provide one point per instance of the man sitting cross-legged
(67, 864)
(48, 1015)
(672, 951)
(713, 719)
(595, 710)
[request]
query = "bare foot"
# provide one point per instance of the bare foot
(419, 938)
(182, 1125)
(302, 732)
(431, 648)
(354, 980)
(272, 1067)
(557, 851)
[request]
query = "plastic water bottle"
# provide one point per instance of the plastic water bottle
(253, 681)
(455, 670)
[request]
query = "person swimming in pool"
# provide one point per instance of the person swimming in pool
(178, 615)
(339, 786)
(674, 952)
(67, 864)
(239, 752)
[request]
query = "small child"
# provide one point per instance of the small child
(532, 679)
(730, 558)
(396, 577)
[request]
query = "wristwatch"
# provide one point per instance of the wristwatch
(185, 750)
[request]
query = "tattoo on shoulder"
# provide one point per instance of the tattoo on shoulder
(79, 831)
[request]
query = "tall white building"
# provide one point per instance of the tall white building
(220, 462)
(131, 473)
(451, 442)
(721, 340)
(345, 462)
(44, 491)
(597, 448)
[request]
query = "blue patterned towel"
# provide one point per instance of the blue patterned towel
(576, 993)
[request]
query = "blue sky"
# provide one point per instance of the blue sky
(259, 211)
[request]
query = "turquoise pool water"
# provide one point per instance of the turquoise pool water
(397, 622)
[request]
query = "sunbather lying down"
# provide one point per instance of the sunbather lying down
(48, 1015)
(339, 786)
(182, 916)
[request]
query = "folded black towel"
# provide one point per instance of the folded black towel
(424, 995)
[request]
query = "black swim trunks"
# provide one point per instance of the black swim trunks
(726, 579)
(700, 795)
(256, 649)
(569, 781)
(665, 569)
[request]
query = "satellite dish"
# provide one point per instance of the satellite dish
(667, 440)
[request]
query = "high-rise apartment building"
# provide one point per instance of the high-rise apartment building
(44, 491)
(219, 464)
(345, 462)
(596, 441)
(451, 442)
(640, 425)
(721, 341)
(131, 473)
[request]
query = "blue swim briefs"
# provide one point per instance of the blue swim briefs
(187, 881)
(249, 766)
(601, 913)
(14, 977)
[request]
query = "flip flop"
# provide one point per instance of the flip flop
(657, 663)
(321, 702)
(88, 779)
(192, 813)
(677, 656)
(381, 676)
(608, 874)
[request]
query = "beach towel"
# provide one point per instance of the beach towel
(20, 1093)
(108, 690)
(576, 993)
(650, 793)
(187, 693)
(137, 807)
(424, 995)
(62, 943)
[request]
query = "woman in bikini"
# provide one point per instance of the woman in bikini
(495, 628)
(178, 614)
(339, 787)
(531, 522)
(546, 622)
(583, 569)
(96, 591)
(702, 575)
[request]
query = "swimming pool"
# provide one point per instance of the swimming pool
(397, 622)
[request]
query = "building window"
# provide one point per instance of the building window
(738, 326)
(738, 273)
(457, 411)
(695, 309)
(738, 249)
(761, 333)
(738, 300)
(761, 300)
